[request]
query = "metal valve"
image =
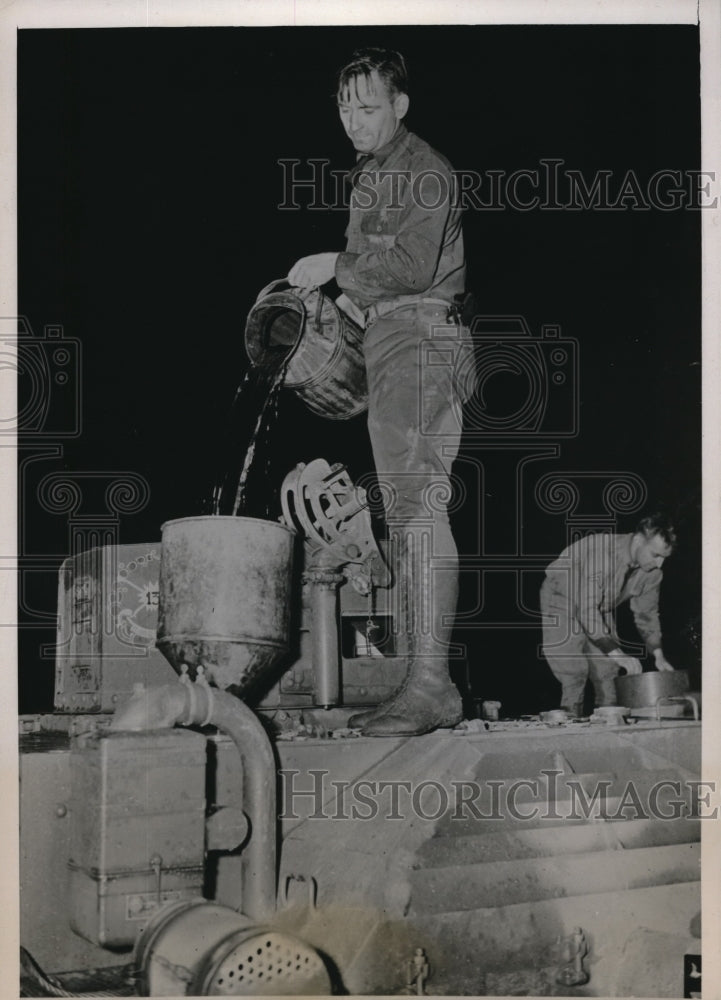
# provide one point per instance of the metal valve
(322, 503)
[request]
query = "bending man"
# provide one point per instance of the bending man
(582, 588)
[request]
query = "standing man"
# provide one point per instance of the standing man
(583, 587)
(402, 269)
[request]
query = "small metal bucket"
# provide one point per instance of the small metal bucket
(225, 596)
(644, 690)
(324, 346)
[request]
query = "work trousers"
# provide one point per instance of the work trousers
(572, 658)
(420, 371)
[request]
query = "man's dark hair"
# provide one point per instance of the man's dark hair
(657, 523)
(390, 66)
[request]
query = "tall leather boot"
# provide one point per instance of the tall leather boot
(427, 699)
(361, 719)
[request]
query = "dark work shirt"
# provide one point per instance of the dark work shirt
(404, 234)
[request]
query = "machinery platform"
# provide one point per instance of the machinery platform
(483, 846)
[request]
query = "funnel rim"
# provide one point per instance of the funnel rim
(227, 517)
(234, 638)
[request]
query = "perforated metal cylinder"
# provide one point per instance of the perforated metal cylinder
(200, 948)
(262, 962)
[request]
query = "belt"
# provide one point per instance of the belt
(378, 309)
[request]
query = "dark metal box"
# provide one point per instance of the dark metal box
(137, 828)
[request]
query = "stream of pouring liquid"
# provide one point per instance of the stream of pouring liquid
(261, 384)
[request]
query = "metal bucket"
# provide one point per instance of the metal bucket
(326, 366)
(644, 690)
(225, 596)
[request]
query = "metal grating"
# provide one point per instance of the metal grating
(269, 964)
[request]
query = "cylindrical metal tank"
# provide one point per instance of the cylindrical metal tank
(225, 596)
(322, 346)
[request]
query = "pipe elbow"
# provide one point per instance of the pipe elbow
(152, 708)
(196, 704)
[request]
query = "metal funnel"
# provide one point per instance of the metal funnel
(225, 596)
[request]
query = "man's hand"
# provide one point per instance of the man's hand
(661, 661)
(629, 663)
(310, 272)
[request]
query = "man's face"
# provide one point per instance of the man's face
(650, 551)
(368, 113)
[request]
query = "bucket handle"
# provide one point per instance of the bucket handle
(269, 287)
(284, 281)
(674, 700)
(281, 281)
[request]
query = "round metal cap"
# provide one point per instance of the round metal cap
(262, 962)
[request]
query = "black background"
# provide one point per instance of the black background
(148, 186)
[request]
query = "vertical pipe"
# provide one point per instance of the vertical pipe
(324, 634)
(186, 704)
(233, 717)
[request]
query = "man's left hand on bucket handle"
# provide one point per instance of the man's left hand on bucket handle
(313, 271)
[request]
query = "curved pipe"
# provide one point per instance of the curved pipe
(188, 704)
